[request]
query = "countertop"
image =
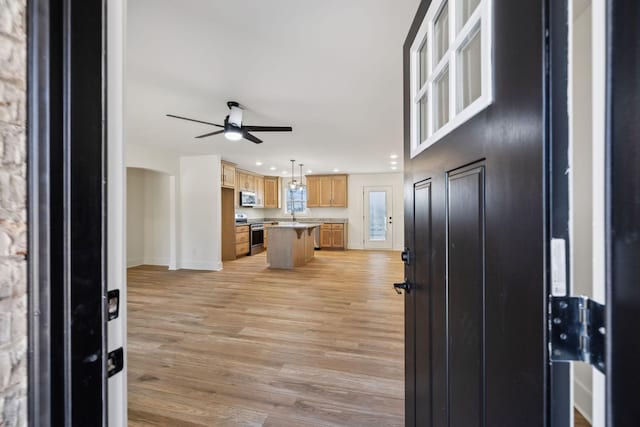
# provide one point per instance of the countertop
(303, 220)
(294, 225)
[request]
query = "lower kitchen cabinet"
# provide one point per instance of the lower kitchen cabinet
(242, 240)
(332, 236)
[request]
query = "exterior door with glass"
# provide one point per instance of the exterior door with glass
(378, 220)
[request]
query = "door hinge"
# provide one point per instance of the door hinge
(577, 330)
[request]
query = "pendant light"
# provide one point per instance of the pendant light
(301, 183)
(293, 184)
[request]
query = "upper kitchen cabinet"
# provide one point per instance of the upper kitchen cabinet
(259, 190)
(313, 191)
(272, 192)
(228, 175)
(327, 191)
(245, 181)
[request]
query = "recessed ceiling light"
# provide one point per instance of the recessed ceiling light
(394, 162)
(309, 171)
(394, 167)
(258, 163)
(284, 172)
(336, 170)
(272, 168)
(393, 156)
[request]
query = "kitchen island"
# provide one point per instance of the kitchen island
(290, 244)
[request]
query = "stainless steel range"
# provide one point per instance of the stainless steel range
(257, 238)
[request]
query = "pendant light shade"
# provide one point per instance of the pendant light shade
(301, 183)
(293, 184)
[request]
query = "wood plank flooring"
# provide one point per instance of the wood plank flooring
(579, 420)
(247, 346)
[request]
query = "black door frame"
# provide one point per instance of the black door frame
(66, 213)
(560, 406)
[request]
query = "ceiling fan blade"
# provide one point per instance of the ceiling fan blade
(210, 134)
(267, 128)
(194, 120)
(252, 138)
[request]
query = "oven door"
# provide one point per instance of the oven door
(257, 239)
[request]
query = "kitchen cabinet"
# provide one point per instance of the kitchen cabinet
(243, 181)
(251, 183)
(339, 191)
(313, 191)
(332, 236)
(272, 192)
(242, 240)
(259, 186)
(228, 175)
(337, 236)
(247, 181)
(327, 191)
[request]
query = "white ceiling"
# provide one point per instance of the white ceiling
(332, 69)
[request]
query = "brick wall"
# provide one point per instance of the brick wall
(13, 281)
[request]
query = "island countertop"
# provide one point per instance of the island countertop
(293, 225)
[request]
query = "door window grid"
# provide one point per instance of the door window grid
(377, 215)
(451, 51)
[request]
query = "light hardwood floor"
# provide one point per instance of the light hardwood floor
(247, 346)
(579, 420)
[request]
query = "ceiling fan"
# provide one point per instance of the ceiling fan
(233, 128)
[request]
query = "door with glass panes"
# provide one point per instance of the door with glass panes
(474, 289)
(378, 219)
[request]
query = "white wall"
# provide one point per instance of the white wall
(156, 219)
(193, 207)
(144, 157)
(148, 218)
(135, 217)
(200, 205)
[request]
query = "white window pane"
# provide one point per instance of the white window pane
(441, 113)
(424, 70)
(296, 200)
(441, 34)
(424, 119)
(470, 87)
(377, 215)
(467, 7)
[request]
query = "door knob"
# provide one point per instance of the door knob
(404, 285)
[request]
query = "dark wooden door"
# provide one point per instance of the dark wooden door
(475, 317)
(623, 214)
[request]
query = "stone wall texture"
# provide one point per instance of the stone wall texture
(13, 227)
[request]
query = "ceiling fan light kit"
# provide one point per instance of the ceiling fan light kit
(233, 128)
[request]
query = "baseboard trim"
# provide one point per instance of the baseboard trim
(201, 265)
(157, 261)
(582, 400)
(134, 262)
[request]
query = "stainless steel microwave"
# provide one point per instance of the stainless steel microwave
(247, 198)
